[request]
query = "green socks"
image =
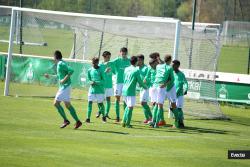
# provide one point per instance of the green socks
(159, 115)
(176, 116)
(124, 105)
(61, 111)
(147, 112)
(73, 113)
(101, 108)
(89, 109)
(107, 107)
(117, 109)
(155, 110)
(129, 116)
(124, 119)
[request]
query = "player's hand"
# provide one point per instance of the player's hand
(185, 93)
(46, 75)
(62, 81)
(108, 70)
(162, 85)
(144, 81)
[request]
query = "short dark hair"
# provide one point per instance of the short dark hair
(133, 60)
(95, 60)
(140, 56)
(167, 58)
(154, 55)
(58, 55)
(124, 49)
(176, 62)
(105, 53)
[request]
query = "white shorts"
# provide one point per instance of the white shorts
(109, 92)
(144, 95)
(130, 100)
(161, 94)
(63, 94)
(118, 89)
(171, 95)
(153, 94)
(99, 98)
(180, 102)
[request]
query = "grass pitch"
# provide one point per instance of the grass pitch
(30, 136)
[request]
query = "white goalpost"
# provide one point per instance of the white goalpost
(82, 36)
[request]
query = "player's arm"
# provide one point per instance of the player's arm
(90, 79)
(140, 82)
(185, 85)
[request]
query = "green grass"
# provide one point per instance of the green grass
(233, 60)
(30, 136)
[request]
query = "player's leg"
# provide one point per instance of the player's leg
(100, 99)
(124, 118)
(91, 98)
(179, 105)
(161, 94)
(131, 100)
(62, 95)
(73, 114)
(144, 97)
(172, 99)
(107, 109)
(62, 113)
(118, 93)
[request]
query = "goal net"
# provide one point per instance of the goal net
(82, 36)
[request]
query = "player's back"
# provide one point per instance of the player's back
(170, 73)
(161, 75)
(131, 74)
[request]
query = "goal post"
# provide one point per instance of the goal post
(91, 37)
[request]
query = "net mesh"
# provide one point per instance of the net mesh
(85, 36)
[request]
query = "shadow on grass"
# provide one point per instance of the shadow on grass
(187, 129)
(105, 131)
(238, 120)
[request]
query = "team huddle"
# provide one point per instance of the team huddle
(159, 81)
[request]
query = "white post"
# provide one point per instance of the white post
(177, 39)
(9, 58)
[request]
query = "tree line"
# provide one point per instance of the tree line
(214, 11)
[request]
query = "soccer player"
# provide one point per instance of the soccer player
(171, 91)
(131, 78)
(161, 79)
(156, 57)
(181, 85)
(119, 65)
(64, 73)
(96, 89)
(144, 93)
(150, 78)
(106, 66)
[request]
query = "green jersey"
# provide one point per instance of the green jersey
(181, 83)
(107, 75)
(170, 82)
(162, 75)
(119, 65)
(131, 78)
(96, 76)
(150, 77)
(62, 70)
(143, 72)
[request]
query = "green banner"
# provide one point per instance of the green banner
(31, 70)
